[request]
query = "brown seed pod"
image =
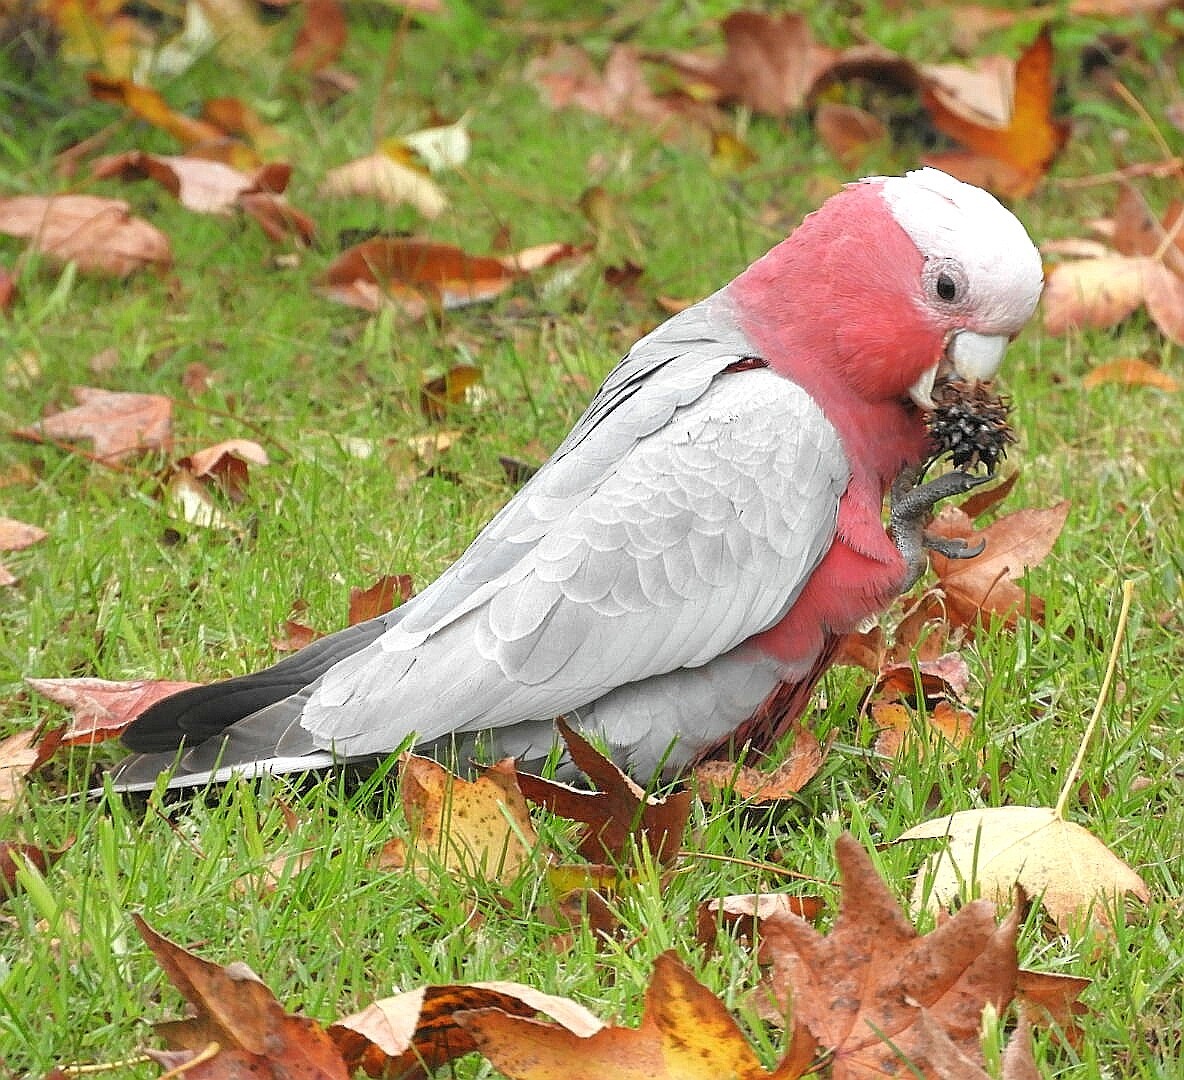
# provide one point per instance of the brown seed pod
(970, 424)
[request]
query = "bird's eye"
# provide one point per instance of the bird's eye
(945, 281)
(947, 287)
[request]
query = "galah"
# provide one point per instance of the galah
(679, 573)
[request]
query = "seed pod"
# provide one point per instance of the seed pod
(970, 424)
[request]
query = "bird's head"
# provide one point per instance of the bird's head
(894, 284)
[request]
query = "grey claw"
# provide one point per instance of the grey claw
(953, 547)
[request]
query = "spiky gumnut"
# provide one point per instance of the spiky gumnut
(970, 424)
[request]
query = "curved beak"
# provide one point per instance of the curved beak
(969, 355)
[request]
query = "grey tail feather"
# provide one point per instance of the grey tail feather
(198, 714)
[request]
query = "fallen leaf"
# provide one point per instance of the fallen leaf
(101, 708)
(901, 729)
(446, 146)
(686, 1033)
(8, 290)
(16, 536)
(848, 132)
(480, 827)
(380, 597)
(1068, 869)
(947, 1062)
(21, 754)
(378, 176)
(616, 815)
(399, 1035)
(986, 586)
(98, 235)
(743, 914)
(188, 500)
(295, 636)
(1008, 158)
(437, 396)
(119, 424)
(15, 856)
(863, 991)
(255, 1036)
(321, 38)
(1048, 997)
(800, 766)
(1103, 291)
(225, 464)
(1131, 372)
(206, 187)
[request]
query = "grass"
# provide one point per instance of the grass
(112, 593)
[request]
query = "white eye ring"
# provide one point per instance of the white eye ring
(945, 281)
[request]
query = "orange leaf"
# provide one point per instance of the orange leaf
(847, 131)
(1011, 158)
(322, 37)
(1131, 372)
(799, 767)
(380, 597)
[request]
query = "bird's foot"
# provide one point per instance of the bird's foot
(912, 504)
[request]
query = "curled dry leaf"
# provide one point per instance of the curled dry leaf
(1009, 158)
(99, 235)
(480, 827)
(743, 914)
(102, 708)
(379, 176)
(119, 424)
(254, 1034)
(1131, 372)
(686, 1033)
(1071, 872)
(225, 464)
(799, 767)
(399, 1035)
(616, 815)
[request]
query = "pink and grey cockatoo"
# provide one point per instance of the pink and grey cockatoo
(700, 542)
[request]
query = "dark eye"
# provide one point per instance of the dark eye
(947, 287)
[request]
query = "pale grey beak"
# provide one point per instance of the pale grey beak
(972, 356)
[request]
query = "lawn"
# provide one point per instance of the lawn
(121, 588)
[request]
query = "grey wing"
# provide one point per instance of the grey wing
(641, 548)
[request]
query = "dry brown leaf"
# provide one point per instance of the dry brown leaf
(616, 815)
(1130, 372)
(1049, 997)
(478, 827)
(947, 1062)
(18, 758)
(743, 914)
(8, 290)
(15, 856)
(119, 424)
(861, 992)
(380, 597)
(1012, 158)
(16, 536)
(101, 708)
(231, 1007)
(321, 38)
(438, 396)
(901, 729)
(378, 176)
(1068, 869)
(206, 187)
(848, 132)
(686, 1033)
(568, 78)
(99, 235)
(985, 586)
(225, 464)
(800, 766)
(150, 106)
(397, 1036)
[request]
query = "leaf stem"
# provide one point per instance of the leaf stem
(1128, 591)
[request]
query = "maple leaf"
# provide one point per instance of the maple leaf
(119, 424)
(234, 1009)
(1068, 869)
(799, 766)
(1013, 157)
(616, 815)
(986, 585)
(686, 1033)
(98, 235)
(225, 464)
(21, 754)
(894, 703)
(480, 827)
(401, 1036)
(16, 536)
(861, 991)
(102, 708)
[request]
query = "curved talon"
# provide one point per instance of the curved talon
(953, 547)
